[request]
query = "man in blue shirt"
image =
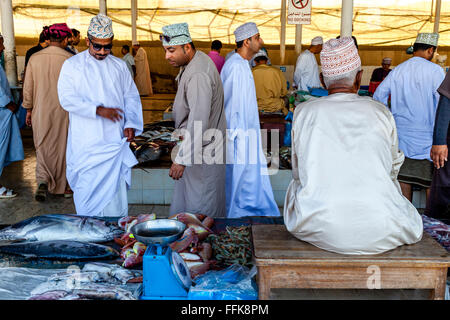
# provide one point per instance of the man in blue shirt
(413, 88)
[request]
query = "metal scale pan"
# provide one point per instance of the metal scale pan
(159, 231)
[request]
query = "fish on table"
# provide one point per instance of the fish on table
(61, 227)
(60, 250)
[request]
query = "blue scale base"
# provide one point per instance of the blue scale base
(159, 280)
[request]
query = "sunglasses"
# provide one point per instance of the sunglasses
(98, 47)
(168, 38)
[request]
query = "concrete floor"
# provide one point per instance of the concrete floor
(21, 177)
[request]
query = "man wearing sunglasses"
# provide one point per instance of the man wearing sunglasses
(198, 111)
(105, 113)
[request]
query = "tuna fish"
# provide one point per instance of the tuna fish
(62, 227)
(61, 250)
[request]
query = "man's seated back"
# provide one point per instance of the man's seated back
(345, 196)
(270, 85)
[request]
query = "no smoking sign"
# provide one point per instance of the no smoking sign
(299, 4)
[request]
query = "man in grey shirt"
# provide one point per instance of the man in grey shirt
(198, 110)
(128, 58)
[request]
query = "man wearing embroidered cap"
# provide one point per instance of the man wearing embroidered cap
(306, 74)
(44, 113)
(248, 188)
(379, 74)
(345, 196)
(105, 113)
(142, 78)
(198, 111)
(413, 86)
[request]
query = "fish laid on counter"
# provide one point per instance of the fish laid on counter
(61, 291)
(60, 250)
(155, 141)
(62, 227)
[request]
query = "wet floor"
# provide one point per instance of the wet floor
(20, 176)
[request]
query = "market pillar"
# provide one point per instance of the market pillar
(437, 16)
(283, 32)
(298, 38)
(102, 7)
(9, 41)
(133, 20)
(347, 18)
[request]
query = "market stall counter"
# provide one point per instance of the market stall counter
(63, 273)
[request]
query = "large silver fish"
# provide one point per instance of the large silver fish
(60, 250)
(62, 227)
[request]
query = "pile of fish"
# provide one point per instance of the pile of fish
(132, 250)
(155, 141)
(285, 157)
(192, 247)
(233, 246)
(62, 237)
(96, 281)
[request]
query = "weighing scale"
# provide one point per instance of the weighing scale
(165, 274)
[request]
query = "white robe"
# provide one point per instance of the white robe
(11, 148)
(248, 188)
(345, 196)
(306, 73)
(98, 155)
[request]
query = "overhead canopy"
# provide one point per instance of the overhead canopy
(381, 22)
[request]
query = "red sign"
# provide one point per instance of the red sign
(300, 4)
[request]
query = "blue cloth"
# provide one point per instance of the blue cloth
(11, 148)
(414, 98)
(248, 188)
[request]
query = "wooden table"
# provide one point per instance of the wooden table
(283, 261)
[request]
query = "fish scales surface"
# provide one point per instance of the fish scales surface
(62, 227)
(60, 249)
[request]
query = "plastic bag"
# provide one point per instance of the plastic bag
(233, 283)
(288, 129)
(21, 116)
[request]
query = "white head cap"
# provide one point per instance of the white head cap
(245, 31)
(316, 41)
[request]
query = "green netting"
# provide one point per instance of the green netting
(376, 22)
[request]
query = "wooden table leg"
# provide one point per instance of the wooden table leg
(438, 293)
(263, 283)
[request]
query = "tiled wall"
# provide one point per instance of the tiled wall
(154, 186)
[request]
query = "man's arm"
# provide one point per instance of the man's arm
(439, 149)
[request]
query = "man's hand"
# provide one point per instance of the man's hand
(12, 107)
(129, 133)
(113, 114)
(28, 118)
(176, 171)
(439, 154)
